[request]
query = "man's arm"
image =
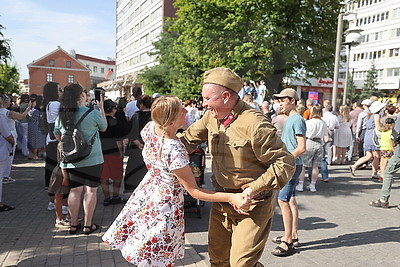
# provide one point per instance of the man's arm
(271, 151)
(301, 146)
(195, 134)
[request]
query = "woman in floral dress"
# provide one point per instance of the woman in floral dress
(149, 231)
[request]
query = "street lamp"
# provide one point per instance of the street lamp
(353, 38)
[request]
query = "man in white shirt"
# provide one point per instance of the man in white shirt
(131, 107)
(333, 123)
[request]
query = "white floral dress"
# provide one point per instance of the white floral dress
(149, 231)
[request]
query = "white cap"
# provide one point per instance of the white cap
(366, 102)
(155, 95)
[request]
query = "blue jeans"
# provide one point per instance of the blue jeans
(289, 190)
(351, 149)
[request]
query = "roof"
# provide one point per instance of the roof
(54, 51)
(102, 61)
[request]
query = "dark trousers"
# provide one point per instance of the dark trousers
(361, 144)
(50, 161)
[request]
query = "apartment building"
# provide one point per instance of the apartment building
(379, 21)
(139, 23)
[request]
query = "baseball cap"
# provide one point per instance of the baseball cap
(366, 102)
(288, 92)
(224, 77)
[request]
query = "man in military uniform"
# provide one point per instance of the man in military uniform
(246, 155)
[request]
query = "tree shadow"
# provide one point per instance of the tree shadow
(384, 235)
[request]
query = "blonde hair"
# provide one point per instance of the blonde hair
(344, 111)
(164, 110)
(300, 109)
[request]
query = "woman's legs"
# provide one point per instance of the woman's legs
(375, 162)
(360, 161)
(116, 187)
(89, 204)
(74, 203)
(105, 187)
(58, 201)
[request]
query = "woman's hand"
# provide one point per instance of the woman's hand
(240, 202)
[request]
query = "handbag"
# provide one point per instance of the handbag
(56, 182)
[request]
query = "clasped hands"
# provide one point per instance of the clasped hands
(241, 201)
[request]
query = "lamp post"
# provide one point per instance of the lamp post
(353, 38)
(339, 33)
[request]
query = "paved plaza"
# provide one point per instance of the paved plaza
(337, 227)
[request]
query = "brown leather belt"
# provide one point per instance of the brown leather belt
(260, 196)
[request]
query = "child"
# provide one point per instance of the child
(386, 145)
(149, 231)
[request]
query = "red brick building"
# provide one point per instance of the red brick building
(57, 66)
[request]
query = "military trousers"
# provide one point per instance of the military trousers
(238, 240)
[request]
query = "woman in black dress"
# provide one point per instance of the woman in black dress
(136, 168)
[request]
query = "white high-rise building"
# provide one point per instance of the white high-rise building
(379, 21)
(139, 23)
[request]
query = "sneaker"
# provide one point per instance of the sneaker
(62, 224)
(50, 206)
(8, 180)
(299, 187)
(312, 188)
(65, 210)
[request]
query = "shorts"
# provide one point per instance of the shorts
(313, 154)
(289, 190)
(113, 167)
(387, 154)
(89, 176)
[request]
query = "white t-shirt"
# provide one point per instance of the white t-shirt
(331, 120)
(52, 111)
(131, 109)
(316, 128)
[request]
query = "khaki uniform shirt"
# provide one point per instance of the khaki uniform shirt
(247, 150)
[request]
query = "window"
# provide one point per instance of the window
(49, 77)
(87, 66)
(95, 68)
(68, 64)
(102, 70)
(396, 32)
(396, 13)
(393, 72)
(52, 62)
(70, 78)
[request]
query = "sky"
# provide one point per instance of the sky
(37, 27)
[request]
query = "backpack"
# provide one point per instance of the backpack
(73, 147)
(45, 127)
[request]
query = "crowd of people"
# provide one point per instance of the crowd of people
(244, 134)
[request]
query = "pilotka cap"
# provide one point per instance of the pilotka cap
(224, 77)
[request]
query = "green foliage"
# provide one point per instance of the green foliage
(9, 77)
(370, 86)
(259, 39)
(5, 50)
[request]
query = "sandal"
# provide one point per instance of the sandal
(97, 227)
(352, 170)
(117, 200)
(106, 202)
(281, 252)
(6, 208)
(379, 204)
(278, 240)
(77, 227)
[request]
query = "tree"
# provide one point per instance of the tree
(9, 77)
(5, 50)
(259, 39)
(370, 86)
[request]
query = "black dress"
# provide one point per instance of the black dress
(136, 168)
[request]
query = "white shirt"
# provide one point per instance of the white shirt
(131, 109)
(316, 128)
(331, 120)
(52, 110)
